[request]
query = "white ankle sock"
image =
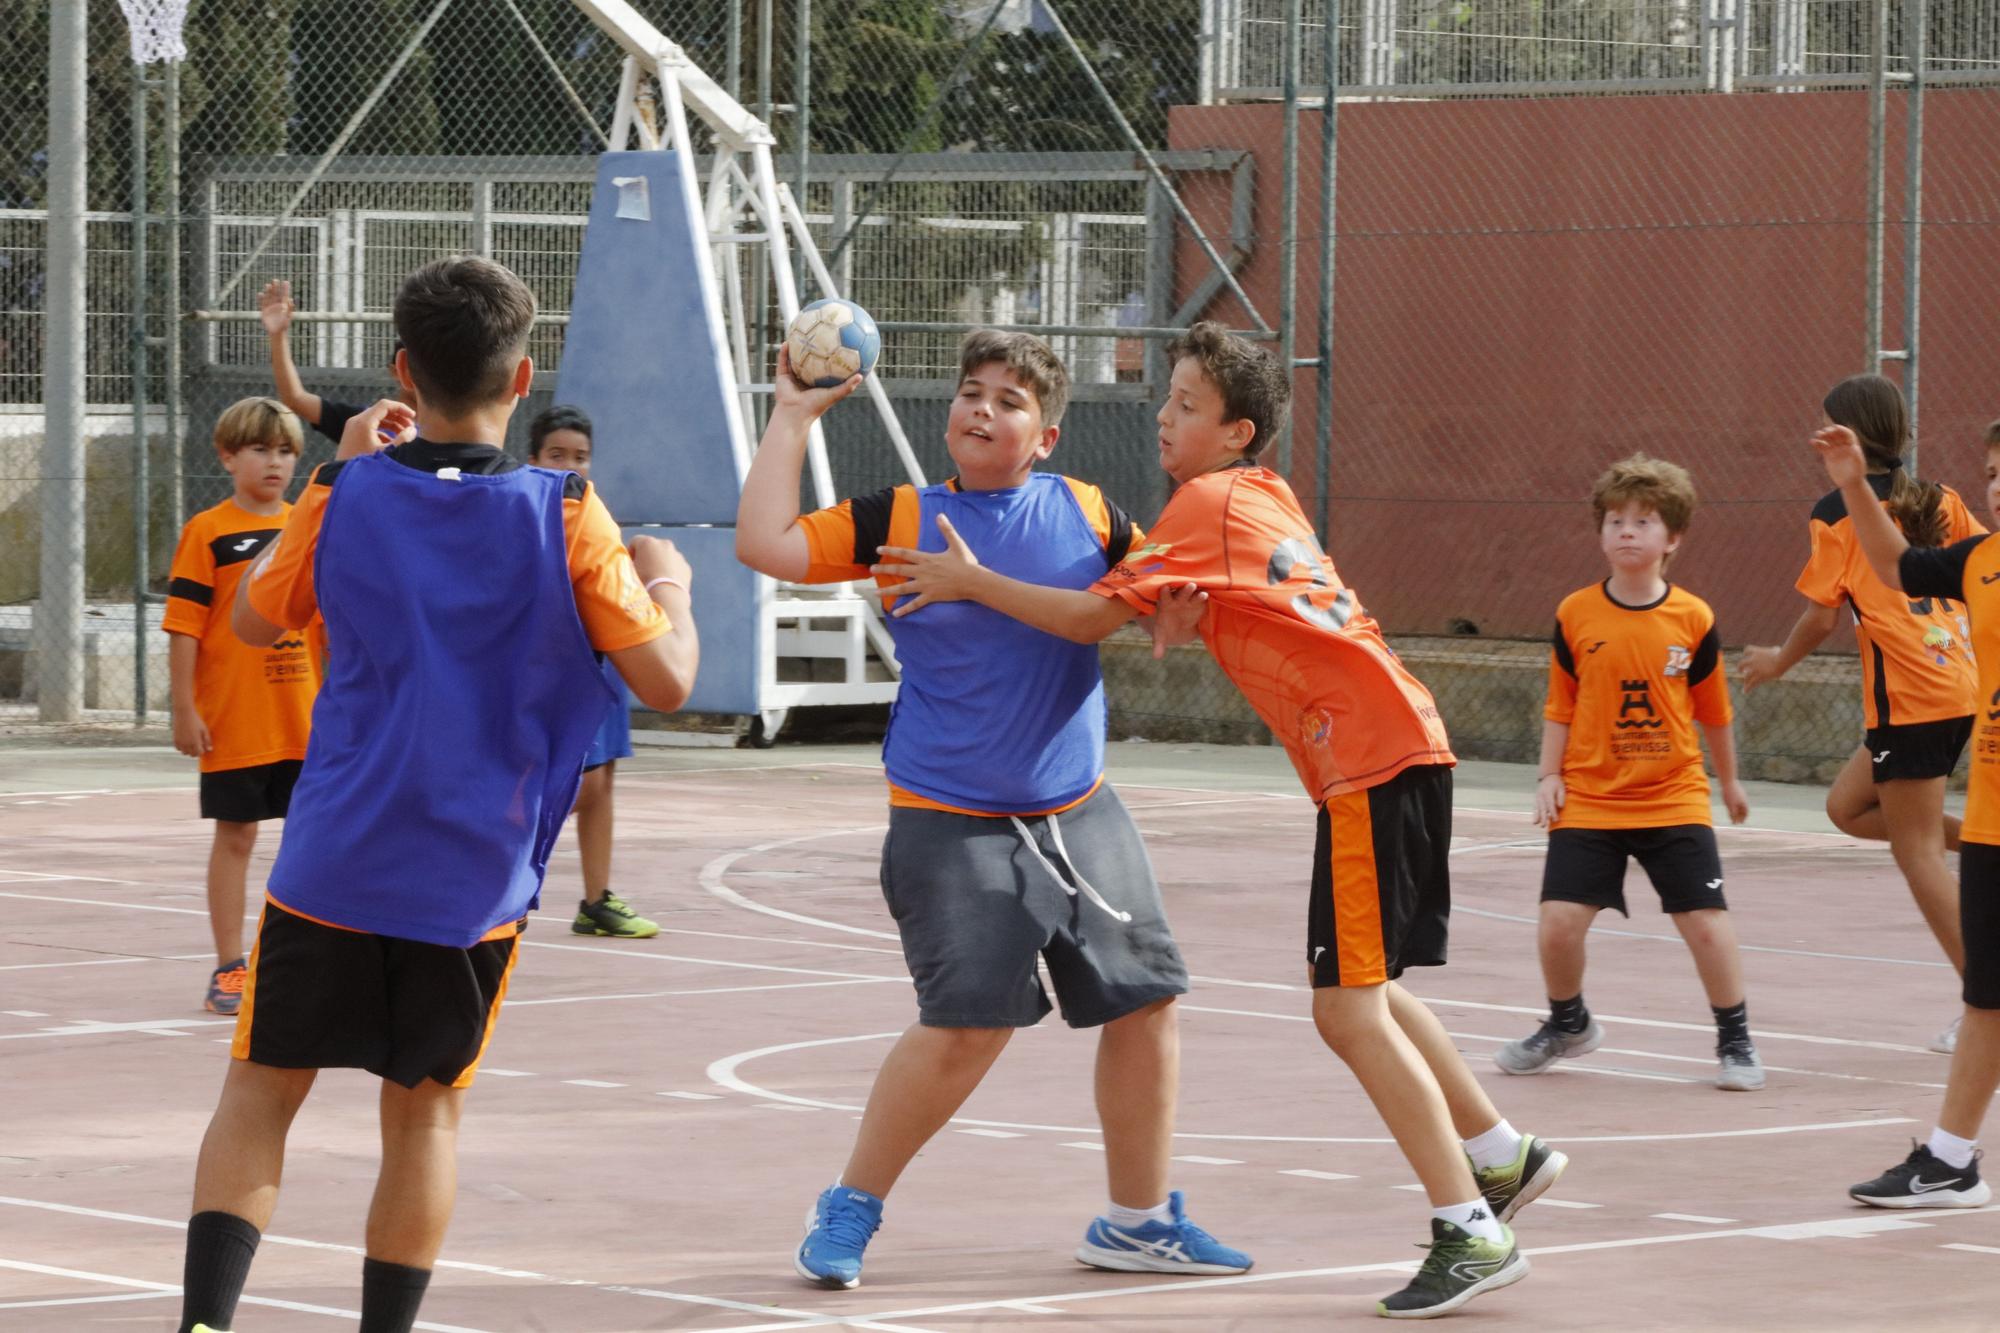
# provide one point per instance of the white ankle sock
(1475, 1218)
(1119, 1216)
(1496, 1147)
(1952, 1150)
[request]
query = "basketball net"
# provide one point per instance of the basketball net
(156, 29)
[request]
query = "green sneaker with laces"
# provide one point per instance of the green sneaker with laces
(1510, 1188)
(1460, 1267)
(610, 915)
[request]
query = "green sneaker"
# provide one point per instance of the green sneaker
(204, 1328)
(1510, 1188)
(610, 915)
(1460, 1267)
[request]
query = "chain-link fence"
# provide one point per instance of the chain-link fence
(1559, 234)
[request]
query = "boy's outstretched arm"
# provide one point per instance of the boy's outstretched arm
(1762, 665)
(955, 575)
(1881, 541)
(768, 536)
(274, 309)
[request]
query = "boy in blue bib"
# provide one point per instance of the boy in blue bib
(465, 599)
(1005, 842)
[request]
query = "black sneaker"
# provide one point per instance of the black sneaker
(1460, 1266)
(1922, 1181)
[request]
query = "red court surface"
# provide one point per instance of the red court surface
(654, 1117)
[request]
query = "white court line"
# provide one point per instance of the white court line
(103, 962)
(992, 1133)
(1318, 1175)
(724, 1073)
(650, 956)
(1546, 1202)
(89, 1300)
(1460, 908)
(711, 879)
(703, 990)
(1693, 1217)
(1209, 1161)
(815, 1320)
(1847, 1225)
(1972, 1249)
(169, 1289)
(457, 1265)
(1086, 1147)
(98, 902)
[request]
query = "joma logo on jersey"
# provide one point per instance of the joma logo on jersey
(1636, 708)
(1679, 660)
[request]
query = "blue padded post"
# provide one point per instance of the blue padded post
(646, 355)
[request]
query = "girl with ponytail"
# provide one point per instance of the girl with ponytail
(1918, 682)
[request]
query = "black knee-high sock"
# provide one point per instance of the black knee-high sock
(220, 1247)
(1732, 1025)
(390, 1295)
(1569, 1015)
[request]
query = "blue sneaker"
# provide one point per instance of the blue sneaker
(838, 1229)
(1178, 1246)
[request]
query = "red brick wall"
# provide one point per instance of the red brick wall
(1529, 289)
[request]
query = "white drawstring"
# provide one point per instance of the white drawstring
(1088, 892)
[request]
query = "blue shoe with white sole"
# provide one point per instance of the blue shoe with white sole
(1178, 1246)
(838, 1229)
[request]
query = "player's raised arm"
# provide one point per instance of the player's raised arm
(1881, 541)
(768, 536)
(274, 312)
(955, 575)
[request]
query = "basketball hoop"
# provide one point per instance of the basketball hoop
(156, 29)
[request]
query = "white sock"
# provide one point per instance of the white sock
(1496, 1147)
(1120, 1216)
(1475, 1218)
(1952, 1150)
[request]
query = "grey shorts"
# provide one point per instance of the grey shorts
(974, 908)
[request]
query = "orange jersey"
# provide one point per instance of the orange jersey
(257, 702)
(1968, 572)
(1915, 663)
(1285, 629)
(615, 610)
(1630, 682)
(842, 541)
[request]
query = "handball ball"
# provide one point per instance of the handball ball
(832, 341)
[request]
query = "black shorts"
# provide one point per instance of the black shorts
(1917, 749)
(1979, 920)
(1381, 881)
(1587, 865)
(249, 795)
(320, 997)
(975, 905)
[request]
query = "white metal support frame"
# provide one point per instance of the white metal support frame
(745, 205)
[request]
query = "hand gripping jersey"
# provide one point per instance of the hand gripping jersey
(1631, 682)
(1285, 629)
(1915, 664)
(993, 716)
(448, 740)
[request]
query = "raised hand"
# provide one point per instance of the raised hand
(1840, 451)
(383, 423)
(274, 306)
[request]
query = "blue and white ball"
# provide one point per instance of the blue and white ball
(831, 341)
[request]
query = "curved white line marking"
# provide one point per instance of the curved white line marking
(724, 1073)
(711, 880)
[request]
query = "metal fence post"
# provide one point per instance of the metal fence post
(1915, 41)
(59, 612)
(142, 479)
(1288, 243)
(1323, 373)
(1878, 75)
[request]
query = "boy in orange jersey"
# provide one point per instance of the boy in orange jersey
(243, 712)
(1369, 746)
(1636, 663)
(1943, 1172)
